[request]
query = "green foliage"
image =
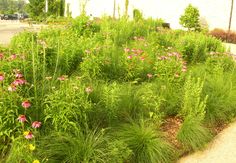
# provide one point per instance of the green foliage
(86, 75)
(195, 47)
(36, 9)
(66, 108)
(192, 134)
(12, 6)
(93, 146)
(193, 104)
(20, 152)
(220, 88)
(190, 18)
(146, 144)
(137, 15)
(82, 26)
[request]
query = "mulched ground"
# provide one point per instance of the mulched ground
(170, 128)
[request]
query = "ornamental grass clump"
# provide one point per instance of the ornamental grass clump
(146, 143)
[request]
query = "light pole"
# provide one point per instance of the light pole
(46, 6)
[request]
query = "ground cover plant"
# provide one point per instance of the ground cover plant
(107, 90)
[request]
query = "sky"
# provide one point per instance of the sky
(216, 12)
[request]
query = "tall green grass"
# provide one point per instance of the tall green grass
(146, 144)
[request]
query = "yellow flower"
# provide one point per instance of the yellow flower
(26, 133)
(36, 161)
(31, 147)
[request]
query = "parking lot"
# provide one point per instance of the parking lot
(9, 28)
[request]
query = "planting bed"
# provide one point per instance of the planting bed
(112, 91)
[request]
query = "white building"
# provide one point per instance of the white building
(216, 12)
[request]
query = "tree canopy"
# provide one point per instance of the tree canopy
(12, 6)
(36, 8)
(190, 18)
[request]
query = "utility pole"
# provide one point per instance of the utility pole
(230, 19)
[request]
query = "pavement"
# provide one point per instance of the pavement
(231, 47)
(9, 28)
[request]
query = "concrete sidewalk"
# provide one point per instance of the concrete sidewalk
(221, 150)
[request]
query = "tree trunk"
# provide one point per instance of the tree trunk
(230, 19)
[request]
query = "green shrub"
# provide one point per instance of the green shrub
(20, 151)
(219, 74)
(195, 46)
(137, 15)
(66, 108)
(172, 97)
(81, 25)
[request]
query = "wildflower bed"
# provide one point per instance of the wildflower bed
(112, 91)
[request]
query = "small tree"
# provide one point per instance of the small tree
(137, 15)
(190, 18)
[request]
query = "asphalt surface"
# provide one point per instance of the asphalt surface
(9, 28)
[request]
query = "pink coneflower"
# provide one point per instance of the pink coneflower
(89, 89)
(13, 56)
(184, 63)
(62, 78)
(11, 88)
(177, 55)
(129, 57)
(19, 82)
(126, 50)
(139, 51)
(1, 77)
(22, 118)
(162, 58)
(36, 124)
(28, 135)
(149, 76)
(134, 50)
(184, 69)
(1, 55)
(26, 104)
(142, 58)
(19, 75)
(176, 75)
(141, 38)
